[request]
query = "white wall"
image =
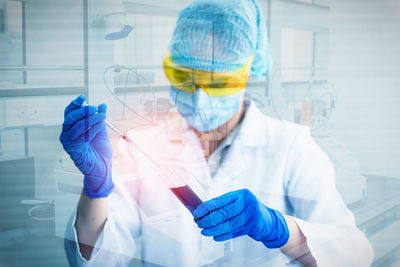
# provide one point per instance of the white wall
(365, 68)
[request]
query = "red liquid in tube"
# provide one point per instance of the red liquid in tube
(187, 197)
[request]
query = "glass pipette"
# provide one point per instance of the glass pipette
(126, 138)
(183, 193)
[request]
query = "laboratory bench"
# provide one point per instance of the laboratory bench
(34, 244)
(378, 216)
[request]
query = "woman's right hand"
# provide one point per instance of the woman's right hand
(84, 138)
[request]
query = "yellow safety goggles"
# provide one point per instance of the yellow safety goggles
(213, 83)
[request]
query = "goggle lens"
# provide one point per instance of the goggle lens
(217, 84)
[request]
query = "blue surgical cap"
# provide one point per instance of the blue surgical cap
(221, 35)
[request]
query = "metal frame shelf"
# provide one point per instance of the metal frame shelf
(26, 90)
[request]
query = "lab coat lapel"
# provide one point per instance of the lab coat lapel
(236, 162)
(192, 163)
(251, 136)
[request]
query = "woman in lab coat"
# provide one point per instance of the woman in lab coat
(270, 190)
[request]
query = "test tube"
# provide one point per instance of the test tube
(181, 189)
(188, 198)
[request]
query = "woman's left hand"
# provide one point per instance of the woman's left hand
(240, 213)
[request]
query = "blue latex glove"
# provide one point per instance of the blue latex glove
(240, 213)
(84, 138)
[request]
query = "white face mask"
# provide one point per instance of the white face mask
(204, 112)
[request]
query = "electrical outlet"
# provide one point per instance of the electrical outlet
(33, 113)
(23, 112)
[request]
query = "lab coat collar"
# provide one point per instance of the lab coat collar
(253, 129)
(252, 134)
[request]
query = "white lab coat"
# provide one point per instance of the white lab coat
(278, 161)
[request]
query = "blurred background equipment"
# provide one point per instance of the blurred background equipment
(312, 104)
(112, 16)
(112, 51)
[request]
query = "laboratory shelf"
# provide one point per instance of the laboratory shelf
(23, 90)
(137, 88)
